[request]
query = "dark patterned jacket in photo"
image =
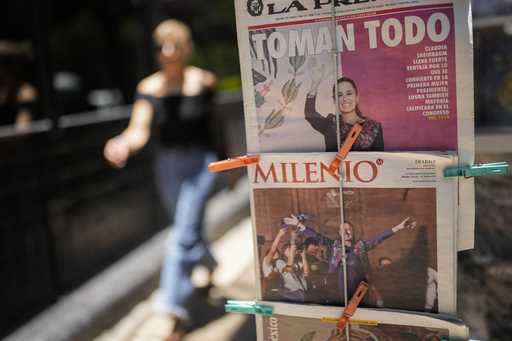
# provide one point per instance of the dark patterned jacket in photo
(371, 138)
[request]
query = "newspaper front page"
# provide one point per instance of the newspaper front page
(399, 229)
(403, 66)
(291, 322)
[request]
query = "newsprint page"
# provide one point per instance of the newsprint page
(291, 322)
(406, 66)
(399, 229)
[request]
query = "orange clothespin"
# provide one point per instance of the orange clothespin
(237, 162)
(352, 305)
(345, 148)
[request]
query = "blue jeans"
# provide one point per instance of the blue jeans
(183, 182)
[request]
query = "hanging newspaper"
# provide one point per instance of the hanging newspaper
(291, 322)
(403, 70)
(399, 229)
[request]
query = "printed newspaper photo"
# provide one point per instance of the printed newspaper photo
(390, 241)
(399, 229)
(303, 329)
(402, 69)
(313, 323)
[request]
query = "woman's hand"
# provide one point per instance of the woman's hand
(406, 223)
(318, 73)
(282, 232)
(292, 220)
(293, 237)
(116, 152)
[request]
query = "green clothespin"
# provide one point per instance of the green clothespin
(248, 307)
(477, 170)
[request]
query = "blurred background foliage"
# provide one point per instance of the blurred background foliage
(92, 53)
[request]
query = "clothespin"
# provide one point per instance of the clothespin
(477, 170)
(350, 309)
(237, 162)
(345, 148)
(248, 307)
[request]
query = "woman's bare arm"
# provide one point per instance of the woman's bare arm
(273, 249)
(139, 129)
(133, 138)
(317, 121)
(305, 262)
(293, 251)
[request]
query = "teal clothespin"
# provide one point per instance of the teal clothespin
(248, 307)
(478, 170)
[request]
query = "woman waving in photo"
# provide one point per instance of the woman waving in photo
(371, 137)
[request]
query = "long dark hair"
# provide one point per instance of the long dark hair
(351, 81)
(354, 232)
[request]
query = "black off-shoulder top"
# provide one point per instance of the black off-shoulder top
(182, 121)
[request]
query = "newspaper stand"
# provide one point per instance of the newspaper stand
(267, 45)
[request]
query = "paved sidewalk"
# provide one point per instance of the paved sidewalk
(234, 279)
(87, 311)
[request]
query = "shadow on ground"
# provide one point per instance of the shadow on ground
(205, 309)
(247, 331)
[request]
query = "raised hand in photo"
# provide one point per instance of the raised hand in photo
(407, 223)
(294, 221)
(318, 74)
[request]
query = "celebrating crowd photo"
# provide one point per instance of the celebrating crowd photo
(301, 253)
(295, 271)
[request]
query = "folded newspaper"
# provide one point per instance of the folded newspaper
(401, 68)
(399, 230)
(292, 322)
